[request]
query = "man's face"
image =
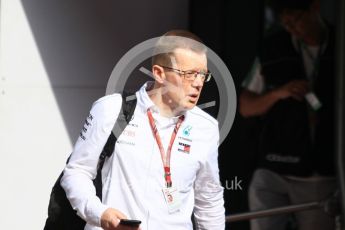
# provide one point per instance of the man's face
(183, 93)
(293, 21)
(300, 23)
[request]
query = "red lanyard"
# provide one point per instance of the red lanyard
(165, 157)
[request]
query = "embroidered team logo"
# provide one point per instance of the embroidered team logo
(183, 147)
(186, 131)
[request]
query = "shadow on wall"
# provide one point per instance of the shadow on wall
(80, 42)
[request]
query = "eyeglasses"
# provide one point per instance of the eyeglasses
(191, 75)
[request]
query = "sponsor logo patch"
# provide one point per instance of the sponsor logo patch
(87, 125)
(185, 139)
(125, 142)
(183, 147)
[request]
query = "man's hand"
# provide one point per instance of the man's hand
(110, 220)
(295, 89)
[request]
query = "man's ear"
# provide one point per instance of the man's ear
(158, 73)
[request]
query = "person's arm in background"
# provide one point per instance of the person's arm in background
(254, 102)
(209, 212)
(82, 166)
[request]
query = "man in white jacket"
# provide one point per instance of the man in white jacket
(164, 166)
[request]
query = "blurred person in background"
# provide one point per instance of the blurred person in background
(291, 87)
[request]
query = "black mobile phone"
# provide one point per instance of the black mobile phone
(133, 223)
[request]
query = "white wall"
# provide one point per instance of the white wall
(55, 60)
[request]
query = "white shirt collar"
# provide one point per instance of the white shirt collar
(143, 98)
(145, 103)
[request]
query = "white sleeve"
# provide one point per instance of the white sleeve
(254, 81)
(82, 166)
(209, 212)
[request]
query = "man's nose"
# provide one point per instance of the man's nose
(198, 81)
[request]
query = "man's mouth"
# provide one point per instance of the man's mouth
(193, 97)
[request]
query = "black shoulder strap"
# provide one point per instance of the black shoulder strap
(124, 117)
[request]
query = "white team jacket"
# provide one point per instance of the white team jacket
(133, 177)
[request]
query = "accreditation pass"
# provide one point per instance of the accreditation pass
(172, 199)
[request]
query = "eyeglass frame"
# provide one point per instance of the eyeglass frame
(207, 76)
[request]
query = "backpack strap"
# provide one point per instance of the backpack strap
(124, 117)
